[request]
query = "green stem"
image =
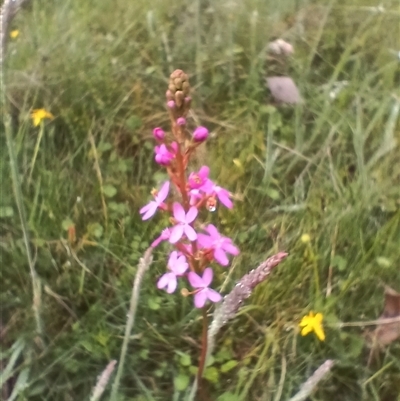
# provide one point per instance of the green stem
(22, 216)
(36, 151)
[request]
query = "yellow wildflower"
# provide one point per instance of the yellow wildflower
(38, 115)
(313, 323)
(14, 33)
(305, 238)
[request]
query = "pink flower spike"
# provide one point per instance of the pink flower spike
(220, 245)
(200, 134)
(202, 283)
(223, 196)
(149, 210)
(163, 155)
(164, 236)
(183, 227)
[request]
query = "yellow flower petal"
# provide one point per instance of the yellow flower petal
(14, 33)
(313, 323)
(319, 332)
(39, 114)
(306, 330)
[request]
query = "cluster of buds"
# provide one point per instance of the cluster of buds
(194, 249)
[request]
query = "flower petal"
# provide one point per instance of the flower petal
(319, 331)
(173, 257)
(150, 211)
(195, 280)
(204, 172)
(213, 295)
(190, 233)
(172, 284)
(179, 212)
(213, 231)
(176, 233)
(163, 193)
(163, 281)
(223, 196)
(227, 246)
(191, 214)
(204, 241)
(306, 330)
(207, 276)
(220, 257)
(200, 299)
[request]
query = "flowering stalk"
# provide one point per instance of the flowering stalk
(195, 251)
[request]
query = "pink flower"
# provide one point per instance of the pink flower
(165, 234)
(163, 155)
(220, 245)
(201, 185)
(177, 265)
(183, 227)
(200, 134)
(159, 133)
(205, 293)
(197, 180)
(148, 210)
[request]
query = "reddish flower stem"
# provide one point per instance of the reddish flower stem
(204, 345)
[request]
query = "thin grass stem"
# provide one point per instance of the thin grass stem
(142, 268)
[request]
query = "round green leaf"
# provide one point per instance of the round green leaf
(181, 382)
(109, 190)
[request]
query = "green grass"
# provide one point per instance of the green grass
(328, 168)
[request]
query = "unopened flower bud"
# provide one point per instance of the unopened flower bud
(200, 134)
(179, 96)
(178, 83)
(178, 90)
(171, 104)
(158, 133)
(181, 121)
(169, 95)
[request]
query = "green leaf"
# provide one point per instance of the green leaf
(181, 382)
(109, 190)
(67, 223)
(211, 374)
(339, 262)
(383, 262)
(185, 360)
(6, 211)
(154, 303)
(228, 397)
(104, 146)
(133, 122)
(226, 367)
(95, 229)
